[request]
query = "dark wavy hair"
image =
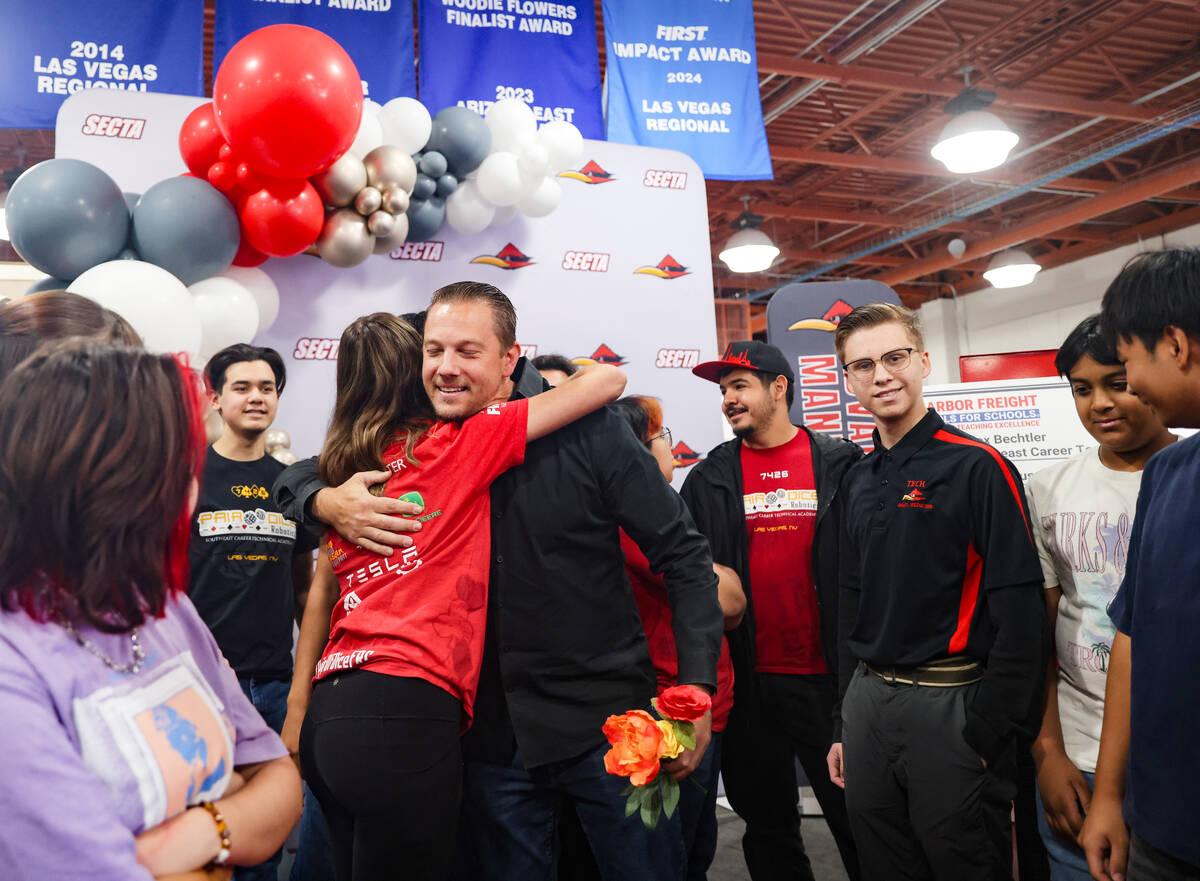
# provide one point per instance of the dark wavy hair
(1088, 338)
(28, 322)
(218, 364)
(96, 476)
(1153, 291)
(379, 396)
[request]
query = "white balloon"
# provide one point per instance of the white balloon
(467, 211)
(504, 215)
(260, 285)
(370, 136)
(534, 160)
(152, 300)
(228, 314)
(371, 107)
(406, 124)
(563, 142)
(543, 200)
(512, 124)
(499, 179)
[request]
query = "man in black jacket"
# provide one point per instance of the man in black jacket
(767, 501)
(565, 647)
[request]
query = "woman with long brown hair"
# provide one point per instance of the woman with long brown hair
(400, 639)
(128, 749)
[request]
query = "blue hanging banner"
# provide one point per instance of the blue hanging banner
(376, 34)
(683, 75)
(55, 48)
(476, 52)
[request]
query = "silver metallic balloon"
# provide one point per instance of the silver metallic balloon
(276, 438)
(381, 224)
(344, 240)
(389, 166)
(213, 426)
(367, 201)
(284, 455)
(395, 200)
(399, 234)
(341, 182)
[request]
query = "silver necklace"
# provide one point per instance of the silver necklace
(139, 653)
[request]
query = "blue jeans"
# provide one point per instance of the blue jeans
(698, 811)
(1067, 862)
(510, 815)
(314, 860)
(269, 697)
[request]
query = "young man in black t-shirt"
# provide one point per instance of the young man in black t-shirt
(250, 566)
(942, 625)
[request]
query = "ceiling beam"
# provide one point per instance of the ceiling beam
(825, 214)
(1136, 190)
(886, 80)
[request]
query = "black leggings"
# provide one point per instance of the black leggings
(382, 755)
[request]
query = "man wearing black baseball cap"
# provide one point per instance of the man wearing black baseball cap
(766, 501)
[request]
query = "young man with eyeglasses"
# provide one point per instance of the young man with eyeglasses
(943, 629)
(766, 502)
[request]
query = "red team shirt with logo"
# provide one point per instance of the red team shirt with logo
(650, 591)
(422, 611)
(780, 499)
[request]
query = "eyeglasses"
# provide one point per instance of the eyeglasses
(665, 434)
(893, 362)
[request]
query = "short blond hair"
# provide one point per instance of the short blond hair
(874, 314)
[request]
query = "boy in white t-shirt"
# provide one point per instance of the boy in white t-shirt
(1082, 511)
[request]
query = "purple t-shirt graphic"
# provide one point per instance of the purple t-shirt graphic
(90, 758)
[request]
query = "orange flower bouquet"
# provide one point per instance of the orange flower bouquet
(640, 743)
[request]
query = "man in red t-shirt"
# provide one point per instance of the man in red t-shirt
(765, 501)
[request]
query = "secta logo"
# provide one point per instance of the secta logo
(428, 252)
(829, 321)
(602, 355)
(664, 180)
(671, 358)
(316, 349)
(509, 257)
(684, 455)
(591, 173)
(585, 261)
(668, 267)
(113, 127)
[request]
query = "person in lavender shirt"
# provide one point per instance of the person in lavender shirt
(128, 750)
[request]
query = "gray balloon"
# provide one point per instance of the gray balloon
(395, 201)
(399, 234)
(65, 216)
(432, 163)
(345, 240)
(425, 217)
(425, 187)
(186, 226)
(340, 183)
(462, 137)
(367, 201)
(389, 166)
(446, 184)
(381, 224)
(47, 284)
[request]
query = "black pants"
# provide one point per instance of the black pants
(382, 755)
(921, 804)
(791, 718)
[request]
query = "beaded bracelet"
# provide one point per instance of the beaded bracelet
(222, 830)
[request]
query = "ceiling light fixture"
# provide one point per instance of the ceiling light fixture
(1012, 269)
(749, 249)
(975, 139)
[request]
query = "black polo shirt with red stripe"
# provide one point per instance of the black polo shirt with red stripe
(934, 525)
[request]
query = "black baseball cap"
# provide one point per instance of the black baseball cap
(746, 355)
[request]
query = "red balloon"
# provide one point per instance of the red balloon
(283, 218)
(223, 176)
(249, 179)
(288, 99)
(225, 152)
(248, 255)
(200, 140)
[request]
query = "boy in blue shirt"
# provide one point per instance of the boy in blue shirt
(1148, 745)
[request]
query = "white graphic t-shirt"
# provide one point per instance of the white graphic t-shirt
(1082, 514)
